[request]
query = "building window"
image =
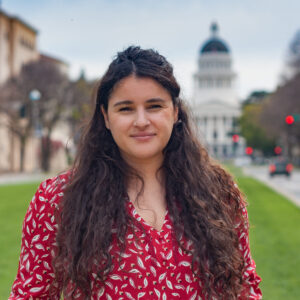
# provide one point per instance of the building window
(215, 134)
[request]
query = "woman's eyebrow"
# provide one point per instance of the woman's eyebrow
(128, 102)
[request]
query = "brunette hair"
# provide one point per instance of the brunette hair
(203, 201)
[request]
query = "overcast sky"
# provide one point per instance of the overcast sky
(88, 33)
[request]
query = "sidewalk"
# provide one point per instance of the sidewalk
(13, 178)
(289, 187)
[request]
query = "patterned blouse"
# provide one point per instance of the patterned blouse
(155, 267)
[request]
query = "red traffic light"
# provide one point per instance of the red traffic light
(235, 138)
(249, 150)
(277, 150)
(289, 120)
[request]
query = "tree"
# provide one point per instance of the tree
(81, 98)
(252, 130)
(284, 101)
(53, 87)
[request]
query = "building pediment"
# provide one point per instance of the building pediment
(217, 107)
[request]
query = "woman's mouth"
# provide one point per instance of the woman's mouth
(143, 136)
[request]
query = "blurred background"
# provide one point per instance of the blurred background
(238, 63)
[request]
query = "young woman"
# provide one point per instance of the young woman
(144, 213)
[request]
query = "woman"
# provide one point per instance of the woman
(144, 213)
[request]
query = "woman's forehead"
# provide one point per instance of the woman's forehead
(134, 88)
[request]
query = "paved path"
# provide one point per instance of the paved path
(289, 187)
(13, 178)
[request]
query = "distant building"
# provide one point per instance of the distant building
(62, 65)
(215, 102)
(18, 45)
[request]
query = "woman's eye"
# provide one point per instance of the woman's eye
(125, 109)
(154, 106)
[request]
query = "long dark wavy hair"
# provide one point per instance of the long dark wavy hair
(202, 198)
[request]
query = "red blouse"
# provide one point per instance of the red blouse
(153, 268)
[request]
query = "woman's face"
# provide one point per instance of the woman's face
(140, 116)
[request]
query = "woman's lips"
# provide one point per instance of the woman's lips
(143, 136)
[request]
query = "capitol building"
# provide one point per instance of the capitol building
(215, 102)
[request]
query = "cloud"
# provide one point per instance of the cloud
(87, 33)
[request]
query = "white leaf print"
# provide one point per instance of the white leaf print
(147, 257)
(132, 282)
(26, 244)
(175, 294)
(116, 289)
(25, 258)
(152, 269)
(124, 285)
(188, 278)
(162, 277)
(41, 216)
(130, 236)
(125, 255)
(133, 251)
(115, 277)
(184, 263)
(169, 255)
(109, 284)
(134, 271)
(129, 296)
(45, 238)
(193, 296)
(108, 297)
(101, 292)
(49, 226)
(140, 295)
(35, 238)
(157, 292)
(188, 289)
(178, 275)
(145, 282)
(137, 246)
(140, 263)
(33, 223)
(27, 281)
(164, 296)
(121, 267)
(180, 251)
(169, 284)
(179, 287)
(20, 291)
(39, 277)
(36, 289)
(52, 219)
(46, 265)
(27, 229)
(27, 265)
(29, 217)
(39, 246)
(41, 198)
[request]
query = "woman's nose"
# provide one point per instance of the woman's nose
(141, 118)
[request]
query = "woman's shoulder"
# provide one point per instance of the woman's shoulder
(50, 192)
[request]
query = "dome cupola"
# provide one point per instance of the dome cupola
(214, 43)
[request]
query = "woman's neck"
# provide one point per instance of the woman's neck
(153, 193)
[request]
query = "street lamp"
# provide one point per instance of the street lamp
(35, 96)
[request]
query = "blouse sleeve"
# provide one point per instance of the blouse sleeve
(251, 279)
(35, 273)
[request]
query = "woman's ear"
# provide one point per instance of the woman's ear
(175, 114)
(105, 117)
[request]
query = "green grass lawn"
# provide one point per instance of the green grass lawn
(14, 201)
(274, 239)
(274, 236)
